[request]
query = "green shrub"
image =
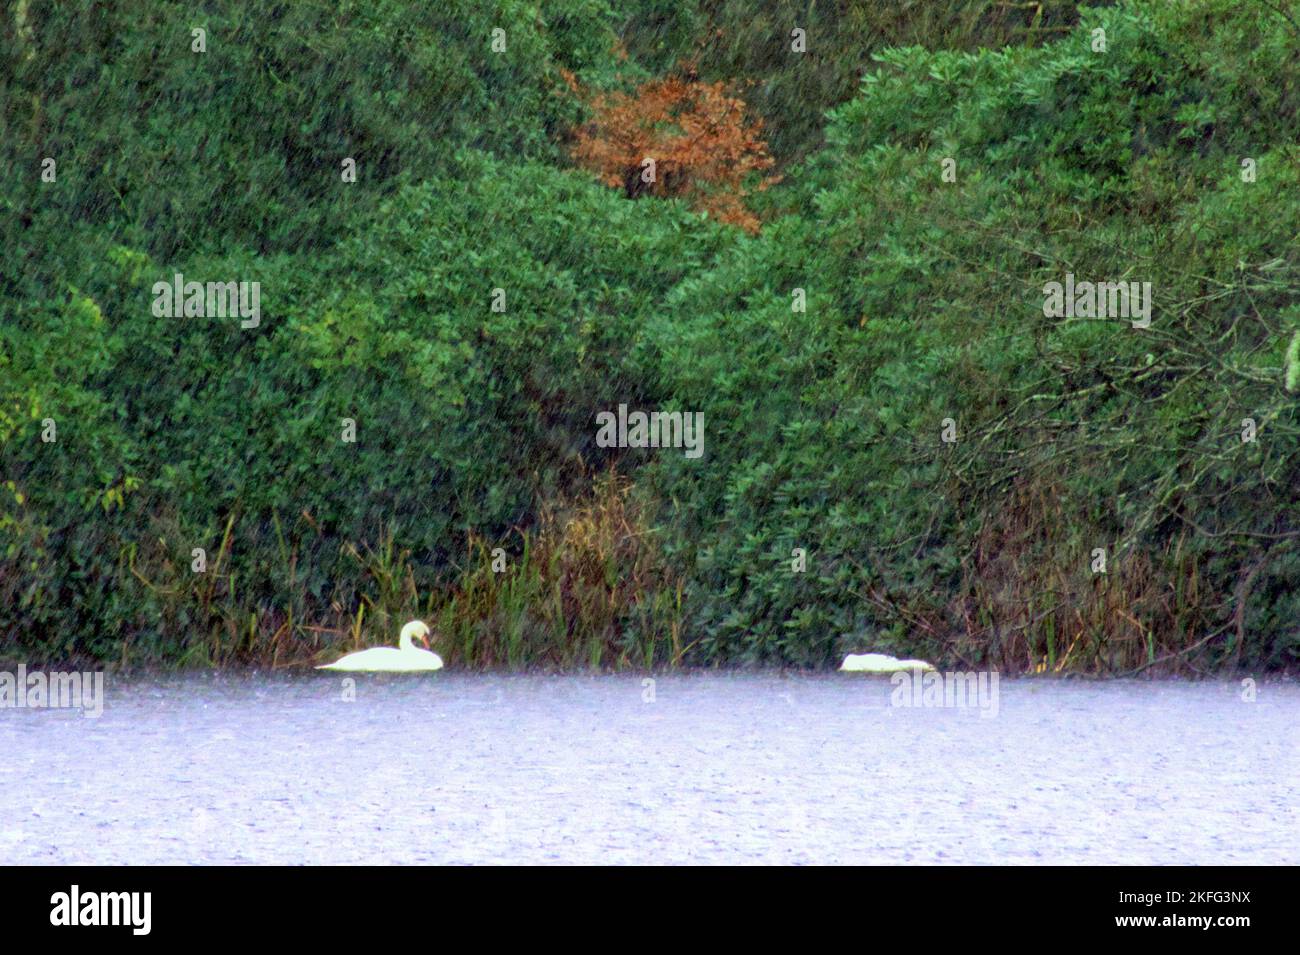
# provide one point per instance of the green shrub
(177, 433)
(822, 427)
(244, 143)
(925, 303)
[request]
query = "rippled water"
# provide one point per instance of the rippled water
(706, 768)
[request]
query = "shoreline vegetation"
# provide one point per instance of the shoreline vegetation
(847, 263)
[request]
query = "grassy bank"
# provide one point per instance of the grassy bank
(903, 451)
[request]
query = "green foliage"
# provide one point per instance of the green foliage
(244, 143)
(466, 418)
(822, 427)
(749, 42)
(925, 303)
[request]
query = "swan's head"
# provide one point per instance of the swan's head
(415, 630)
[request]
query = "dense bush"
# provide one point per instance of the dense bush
(182, 433)
(925, 302)
(749, 43)
(475, 427)
(244, 143)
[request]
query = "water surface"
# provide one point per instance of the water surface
(707, 768)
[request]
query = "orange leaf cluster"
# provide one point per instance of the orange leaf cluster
(704, 150)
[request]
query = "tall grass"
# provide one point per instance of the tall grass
(587, 587)
(1034, 599)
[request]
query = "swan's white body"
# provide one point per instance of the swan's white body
(880, 663)
(406, 657)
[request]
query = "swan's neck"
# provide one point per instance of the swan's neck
(404, 642)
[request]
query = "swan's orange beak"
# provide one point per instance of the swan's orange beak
(424, 638)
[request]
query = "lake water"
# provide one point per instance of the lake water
(698, 768)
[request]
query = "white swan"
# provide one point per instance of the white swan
(879, 663)
(405, 658)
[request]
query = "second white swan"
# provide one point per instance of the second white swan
(880, 663)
